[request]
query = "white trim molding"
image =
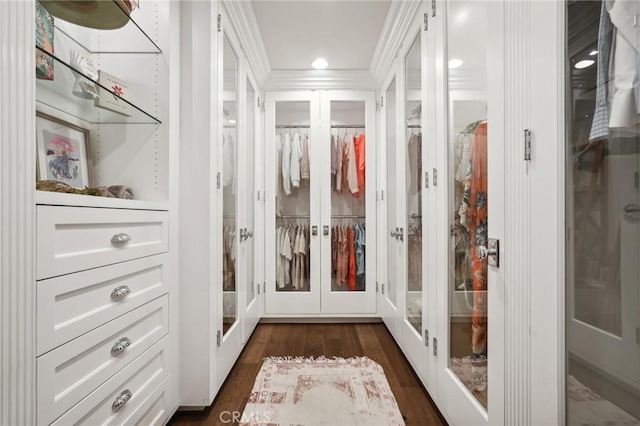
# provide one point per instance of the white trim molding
(320, 80)
(245, 23)
(17, 214)
(398, 21)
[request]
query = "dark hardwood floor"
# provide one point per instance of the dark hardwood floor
(343, 340)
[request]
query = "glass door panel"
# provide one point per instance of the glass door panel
(293, 197)
(348, 196)
(392, 220)
(413, 184)
(230, 241)
(251, 195)
(468, 195)
(602, 214)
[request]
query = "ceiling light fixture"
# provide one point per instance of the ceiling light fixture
(462, 16)
(584, 64)
(232, 121)
(455, 63)
(319, 64)
(593, 53)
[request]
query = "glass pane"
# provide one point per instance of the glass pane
(293, 198)
(413, 184)
(602, 213)
(229, 185)
(251, 196)
(392, 223)
(348, 197)
(468, 202)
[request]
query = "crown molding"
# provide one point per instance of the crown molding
(398, 21)
(245, 24)
(320, 80)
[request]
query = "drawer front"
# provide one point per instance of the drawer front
(69, 373)
(71, 239)
(154, 410)
(134, 384)
(72, 305)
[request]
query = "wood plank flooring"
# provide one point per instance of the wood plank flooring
(343, 340)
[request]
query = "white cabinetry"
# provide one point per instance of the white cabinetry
(321, 203)
(105, 272)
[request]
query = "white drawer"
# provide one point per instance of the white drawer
(71, 239)
(69, 373)
(154, 410)
(137, 380)
(72, 305)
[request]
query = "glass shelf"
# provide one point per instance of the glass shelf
(131, 38)
(57, 93)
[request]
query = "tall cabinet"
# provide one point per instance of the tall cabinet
(105, 265)
(320, 203)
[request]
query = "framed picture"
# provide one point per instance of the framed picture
(63, 151)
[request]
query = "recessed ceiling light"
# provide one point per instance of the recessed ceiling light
(319, 64)
(455, 63)
(593, 53)
(584, 64)
(462, 16)
(232, 121)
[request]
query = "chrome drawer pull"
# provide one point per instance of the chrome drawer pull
(120, 293)
(121, 400)
(120, 346)
(120, 239)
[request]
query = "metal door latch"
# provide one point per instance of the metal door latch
(493, 252)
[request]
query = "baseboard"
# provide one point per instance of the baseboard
(316, 320)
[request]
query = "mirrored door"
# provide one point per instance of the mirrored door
(602, 214)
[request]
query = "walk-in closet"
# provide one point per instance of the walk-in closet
(435, 202)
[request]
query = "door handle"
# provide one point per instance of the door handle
(325, 230)
(314, 231)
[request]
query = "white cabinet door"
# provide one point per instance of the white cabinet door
(292, 213)
(471, 163)
(390, 256)
(348, 206)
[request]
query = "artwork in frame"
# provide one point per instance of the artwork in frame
(44, 40)
(63, 151)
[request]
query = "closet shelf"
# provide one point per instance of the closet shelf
(61, 199)
(94, 41)
(57, 94)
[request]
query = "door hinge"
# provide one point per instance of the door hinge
(219, 22)
(527, 145)
(435, 347)
(218, 337)
(381, 101)
(435, 177)
(258, 286)
(258, 103)
(377, 105)
(218, 180)
(426, 337)
(382, 286)
(382, 195)
(433, 8)
(264, 287)
(258, 195)
(377, 287)
(426, 179)
(426, 23)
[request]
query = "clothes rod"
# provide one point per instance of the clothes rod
(414, 126)
(286, 126)
(337, 126)
(347, 216)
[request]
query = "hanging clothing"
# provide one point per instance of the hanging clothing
(600, 124)
(351, 277)
(279, 208)
(305, 167)
(360, 243)
(414, 151)
(228, 155)
(339, 164)
(361, 161)
(296, 156)
(343, 257)
(286, 165)
(334, 155)
(352, 170)
(478, 227)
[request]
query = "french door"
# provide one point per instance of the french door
(469, 184)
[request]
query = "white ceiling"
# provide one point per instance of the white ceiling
(345, 32)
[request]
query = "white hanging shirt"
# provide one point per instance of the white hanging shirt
(296, 156)
(286, 165)
(227, 158)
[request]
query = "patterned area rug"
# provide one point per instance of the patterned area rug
(587, 408)
(306, 391)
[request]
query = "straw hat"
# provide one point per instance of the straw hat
(98, 14)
